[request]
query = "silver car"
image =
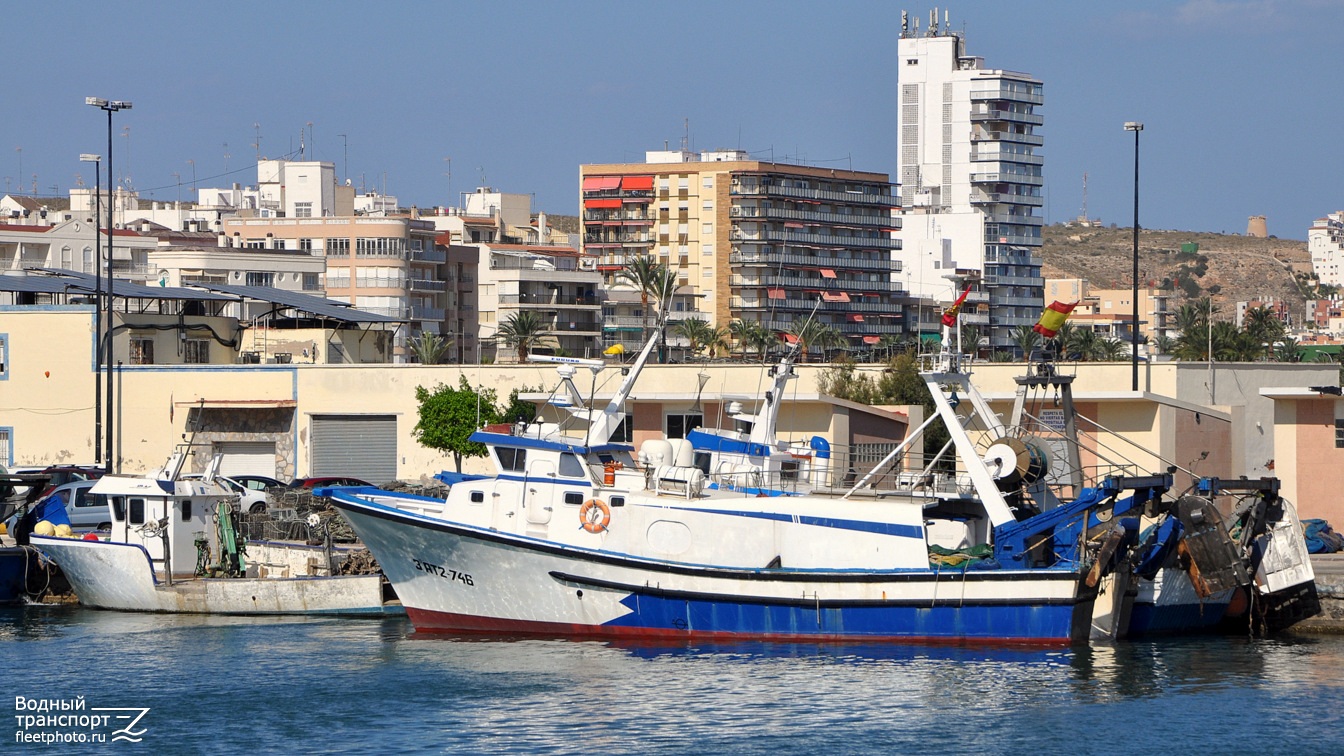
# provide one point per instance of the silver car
(87, 512)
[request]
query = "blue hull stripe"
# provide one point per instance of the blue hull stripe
(887, 621)
(881, 528)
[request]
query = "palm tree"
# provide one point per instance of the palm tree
(1164, 344)
(1086, 345)
(1112, 349)
(430, 348)
(523, 330)
(1263, 324)
(1289, 350)
(642, 273)
(700, 334)
(970, 339)
(1027, 340)
(655, 282)
(750, 334)
(808, 333)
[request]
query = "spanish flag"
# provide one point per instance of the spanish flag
(1053, 317)
(950, 314)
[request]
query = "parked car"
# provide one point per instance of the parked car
(87, 512)
(257, 482)
(252, 501)
(327, 480)
(59, 474)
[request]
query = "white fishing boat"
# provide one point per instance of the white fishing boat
(169, 535)
(575, 535)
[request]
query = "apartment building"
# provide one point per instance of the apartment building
(553, 282)
(970, 177)
(1325, 242)
(749, 240)
(1110, 312)
(76, 245)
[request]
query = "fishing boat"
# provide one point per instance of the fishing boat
(577, 536)
(176, 546)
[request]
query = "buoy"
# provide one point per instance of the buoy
(63, 531)
(91, 537)
(44, 528)
(3, 530)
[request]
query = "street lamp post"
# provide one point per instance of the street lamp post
(1135, 127)
(110, 107)
(97, 161)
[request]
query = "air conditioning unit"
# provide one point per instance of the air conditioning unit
(588, 263)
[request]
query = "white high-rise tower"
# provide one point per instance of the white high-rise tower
(970, 180)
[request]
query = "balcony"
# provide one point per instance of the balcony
(1005, 198)
(999, 156)
(882, 222)
(422, 312)
(983, 113)
(827, 240)
(1007, 178)
(427, 255)
(422, 284)
(557, 300)
(747, 188)
(1008, 92)
(885, 265)
(815, 283)
(989, 135)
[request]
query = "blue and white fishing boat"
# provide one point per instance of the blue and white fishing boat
(578, 536)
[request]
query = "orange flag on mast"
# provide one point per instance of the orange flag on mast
(1053, 317)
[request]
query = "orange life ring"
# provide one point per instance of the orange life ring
(595, 515)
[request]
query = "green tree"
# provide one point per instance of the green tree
(448, 417)
(657, 283)
(1112, 350)
(1026, 340)
(523, 331)
(700, 334)
(811, 333)
(431, 348)
(751, 335)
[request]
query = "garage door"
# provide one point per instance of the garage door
(247, 457)
(361, 446)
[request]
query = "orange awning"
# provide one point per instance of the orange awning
(598, 204)
(637, 183)
(871, 339)
(838, 296)
(827, 273)
(788, 337)
(854, 317)
(774, 293)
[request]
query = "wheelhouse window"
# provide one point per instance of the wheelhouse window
(511, 459)
(571, 466)
(137, 512)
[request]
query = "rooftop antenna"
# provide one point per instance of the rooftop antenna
(905, 23)
(933, 22)
(686, 135)
(256, 125)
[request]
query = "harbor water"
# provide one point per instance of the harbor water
(267, 685)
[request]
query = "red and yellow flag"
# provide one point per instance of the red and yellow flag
(1053, 317)
(950, 314)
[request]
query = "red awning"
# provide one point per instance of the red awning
(854, 317)
(637, 183)
(601, 183)
(788, 337)
(794, 225)
(838, 296)
(871, 339)
(597, 204)
(827, 273)
(774, 293)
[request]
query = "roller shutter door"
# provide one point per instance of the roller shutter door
(247, 457)
(362, 446)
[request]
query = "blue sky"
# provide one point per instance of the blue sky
(1241, 98)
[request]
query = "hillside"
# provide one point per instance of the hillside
(1228, 268)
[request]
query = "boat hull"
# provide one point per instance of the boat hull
(462, 579)
(107, 575)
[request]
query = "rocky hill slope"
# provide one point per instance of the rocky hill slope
(1227, 268)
